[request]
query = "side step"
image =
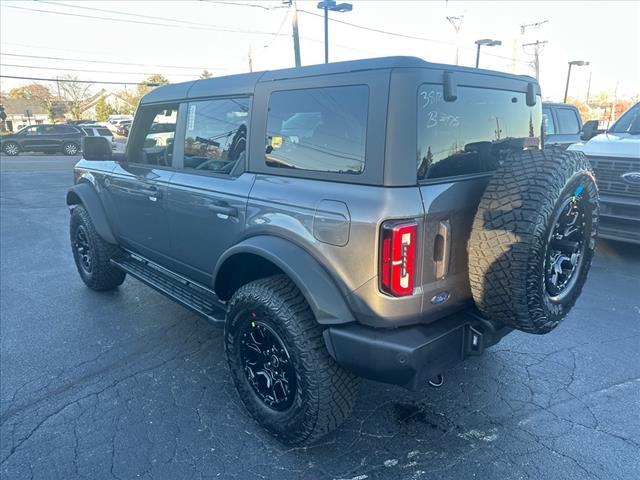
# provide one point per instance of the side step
(192, 295)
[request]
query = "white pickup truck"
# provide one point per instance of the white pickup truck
(615, 158)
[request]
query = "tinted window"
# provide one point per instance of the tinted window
(319, 129)
(155, 131)
(105, 132)
(47, 130)
(629, 122)
(547, 122)
(216, 135)
(62, 129)
(30, 131)
(88, 132)
(468, 135)
(567, 121)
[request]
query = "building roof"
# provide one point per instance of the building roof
(244, 84)
(19, 106)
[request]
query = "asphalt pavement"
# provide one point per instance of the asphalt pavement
(127, 384)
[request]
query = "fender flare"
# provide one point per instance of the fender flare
(319, 289)
(85, 194)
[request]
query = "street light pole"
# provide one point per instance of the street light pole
(489, 43)
(296, 37)
(327, 5)
(579, 63)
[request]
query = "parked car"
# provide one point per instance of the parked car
(615, 158)
(353, 219)
(43, 138)
(97, 130)
(562, 124)
(123, 128)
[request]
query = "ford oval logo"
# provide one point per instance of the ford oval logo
(632, 178)
(440, 298)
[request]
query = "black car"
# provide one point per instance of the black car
(562, 124)
(43, 138)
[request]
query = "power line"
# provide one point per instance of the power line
(107, 62)
(40, 79)
(38, 67)
(252, 5)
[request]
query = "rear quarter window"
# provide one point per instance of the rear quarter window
(567, 121)
(105, 132)
(465, 136)
(318, 129)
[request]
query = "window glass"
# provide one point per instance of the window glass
(155, 131)
(319, 129)
(567, 121)
(216, 134)
(105, 132)
(31, 130)
(47, 130)
(468, 135)
(88, 131)
(547, 122)
(62, 129)
(629, 122)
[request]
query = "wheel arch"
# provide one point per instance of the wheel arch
(261, 256)
(84, 194)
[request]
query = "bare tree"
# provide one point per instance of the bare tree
(75, 94)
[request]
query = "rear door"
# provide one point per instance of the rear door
(207, 197)
(138, 185)
(460, 143)
(568, 126)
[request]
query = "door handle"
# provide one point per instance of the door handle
(223, 209)
(442, 249)
(151, 192)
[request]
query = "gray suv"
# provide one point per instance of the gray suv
(381, 218)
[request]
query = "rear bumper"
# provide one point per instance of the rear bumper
(410, 356)
(619, 218)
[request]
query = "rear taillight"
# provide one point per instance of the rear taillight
(397, 258)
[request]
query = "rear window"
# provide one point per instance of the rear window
(567, 121)
(465, 136)
(547, 122)
(105, 132)
(318, 129)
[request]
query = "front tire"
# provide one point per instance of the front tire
(281, 368)
(11, 148)
(70, 148)
(92, 254)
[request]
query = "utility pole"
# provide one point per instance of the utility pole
(456, 22)
(589, 87)
(523, 30)
(296, 36)
(537, 50)
(58, 85)
(250, 59)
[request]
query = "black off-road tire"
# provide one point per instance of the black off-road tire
(324, 392)
(512, 234)
(102, 275)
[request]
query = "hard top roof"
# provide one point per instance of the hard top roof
(244, 83)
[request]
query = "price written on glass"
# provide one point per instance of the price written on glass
(436, 118)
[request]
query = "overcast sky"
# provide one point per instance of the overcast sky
(159, 37)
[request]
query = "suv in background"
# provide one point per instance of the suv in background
(382, 218)
(562, 124)
(97, 130)
(615, 158)
(43, 138)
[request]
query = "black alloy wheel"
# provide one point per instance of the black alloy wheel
(82, 250)
(267, 365)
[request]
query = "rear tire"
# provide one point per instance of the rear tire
(92, 254)
(70, 148)
(533, 238)
(306, 395)
(11, 148)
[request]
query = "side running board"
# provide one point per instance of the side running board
(192, 295)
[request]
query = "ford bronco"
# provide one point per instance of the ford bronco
(382, 218)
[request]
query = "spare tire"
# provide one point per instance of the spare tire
(533, 238)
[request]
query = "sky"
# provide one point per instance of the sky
(180, 39)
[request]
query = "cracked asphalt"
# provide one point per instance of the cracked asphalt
(127, 384)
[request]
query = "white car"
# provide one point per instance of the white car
(615, 158)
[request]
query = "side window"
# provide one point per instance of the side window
(469, 135)
(319, 129)
(547, 122)
(31, 131)
(63, 130)
(154, 134)
(216, 134)
(47, 130)
(567, 121)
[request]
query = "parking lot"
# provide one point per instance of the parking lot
(127, 384)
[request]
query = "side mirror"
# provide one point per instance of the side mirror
(96, 148)
(589, 130)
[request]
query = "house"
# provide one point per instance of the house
(21, 112)
(117, 103)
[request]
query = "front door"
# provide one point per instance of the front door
(206, 204)
(138, 185)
